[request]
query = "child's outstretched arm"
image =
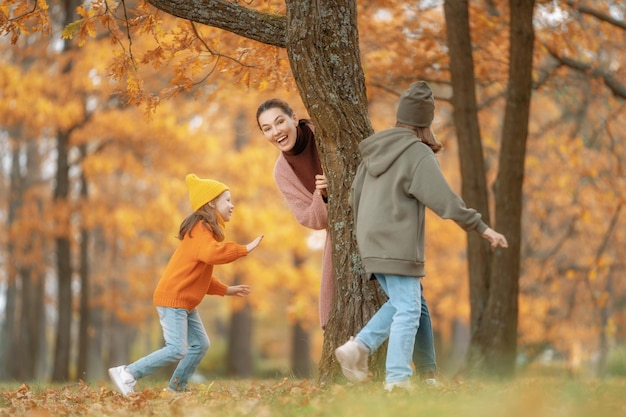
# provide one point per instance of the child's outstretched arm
(495, 238)
(252, 245)
(238, 290)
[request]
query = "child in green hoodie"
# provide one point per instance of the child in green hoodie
(399, 176)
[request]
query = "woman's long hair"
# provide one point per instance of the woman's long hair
(210, 219)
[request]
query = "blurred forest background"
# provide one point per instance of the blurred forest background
(92, 188)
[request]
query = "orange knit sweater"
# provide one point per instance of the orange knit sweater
(189, 273)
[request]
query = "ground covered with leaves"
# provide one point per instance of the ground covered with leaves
(536, 397)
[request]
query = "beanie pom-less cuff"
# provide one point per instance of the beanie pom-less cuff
(417, 105)
(202, 191)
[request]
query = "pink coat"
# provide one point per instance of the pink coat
(310, 211)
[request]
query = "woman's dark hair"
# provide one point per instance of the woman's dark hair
(273, 103)
(208, 216)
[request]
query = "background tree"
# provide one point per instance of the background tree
(474, 182)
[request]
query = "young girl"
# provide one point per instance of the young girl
(187, 278)
(397, 179)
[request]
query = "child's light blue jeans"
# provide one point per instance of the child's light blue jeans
(424, 357)
(185, 341)
(398, 320)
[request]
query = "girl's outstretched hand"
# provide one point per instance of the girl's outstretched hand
(250, 246)
(238, 290)
(495, 238)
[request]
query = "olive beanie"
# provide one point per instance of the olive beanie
(417, 105)
(202, 191)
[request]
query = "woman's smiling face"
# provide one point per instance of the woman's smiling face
(279, 128)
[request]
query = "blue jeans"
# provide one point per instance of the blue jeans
(185, 341)
(398, 320)
(424, 357)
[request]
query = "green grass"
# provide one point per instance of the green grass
(528, 397)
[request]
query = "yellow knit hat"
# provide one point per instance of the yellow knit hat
(203, 191)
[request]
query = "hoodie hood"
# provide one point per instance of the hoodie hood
(381, 150)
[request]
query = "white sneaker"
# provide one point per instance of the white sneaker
(123, 380)
(405, 385)
(353, 360)
(432, 382)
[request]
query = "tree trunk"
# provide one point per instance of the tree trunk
(8, 334)
(605, 317)
(496, 337)
(121, 338)
(323, 50)
(62, 348)
(605, 306)
(240, 342)
(33, 276)
(25, 302)
(300, 351)
(96, 362)
(85, 285)
(31, 316)
(64, 270)
(28, 330)
(465, 115)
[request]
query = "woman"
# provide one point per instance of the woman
(299, 176)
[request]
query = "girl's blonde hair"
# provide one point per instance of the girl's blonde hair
(425, 135)
(209, 217)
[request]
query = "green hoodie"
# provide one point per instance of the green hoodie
(397, 179)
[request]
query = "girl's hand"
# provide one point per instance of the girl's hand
(495, 238)
(321, 185)
(250, 246)
(238, 290)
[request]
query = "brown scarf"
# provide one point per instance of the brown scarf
(303, 157)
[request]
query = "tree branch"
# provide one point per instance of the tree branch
(270, 29)
(618, 89)
(600, 16)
